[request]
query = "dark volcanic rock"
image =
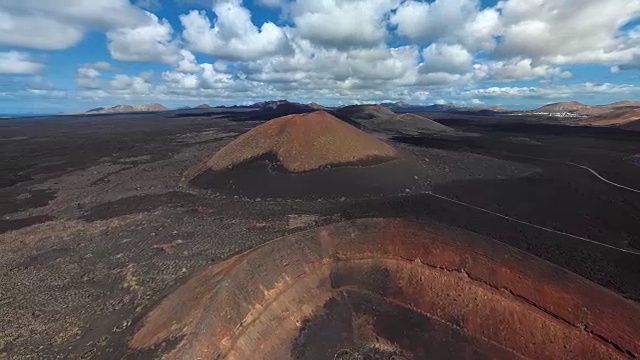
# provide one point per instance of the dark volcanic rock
(379, 118)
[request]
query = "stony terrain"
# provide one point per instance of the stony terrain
(97, 227)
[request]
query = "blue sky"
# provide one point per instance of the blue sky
(515, 53)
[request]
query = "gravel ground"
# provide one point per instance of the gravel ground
(96, 228)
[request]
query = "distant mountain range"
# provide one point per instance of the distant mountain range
(572, 106)
(127, 109)
(381, 118)
(285, 104)
(405, 107)
(617, 117)
(588, 110)
(619, 113)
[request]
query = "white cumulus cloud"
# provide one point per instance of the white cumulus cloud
(342, 24)
(453, 59)
(130, 84)
(342, 50)
(518, 69)
(232, 36)
(51, 25)
(271, 3)
(18, 63)
(568, 31)
(152, 42)
(454, 21)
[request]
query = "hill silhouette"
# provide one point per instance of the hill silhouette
(303, 142)
(589, 110)
(380, 118)
(313, 155)
(127, 109)
(615, 118)
(572, 106)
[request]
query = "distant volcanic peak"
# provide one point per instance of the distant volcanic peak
(273, 104)
(440, 107)
(626, 103)
(563, 106)
(129, 108)
(615, 117)
(572, 103)
(396, 104)
(583, 109)
(316, 106)
(203, 106)
(150, 107)
(375, 108)
(401, 103)
(284, 107)
(378, 107)
(122, 107)
(303, 142)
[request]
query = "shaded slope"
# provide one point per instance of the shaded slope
(283, 107)
(265, 178)
(634, 126)
(376, 117)
(417, 123)
(365, 112)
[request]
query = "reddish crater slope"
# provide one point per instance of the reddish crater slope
(392, 288)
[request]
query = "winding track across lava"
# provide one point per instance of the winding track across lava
(602, 178)
(576, 165)
(530, 224)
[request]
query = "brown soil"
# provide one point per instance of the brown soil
(55, 231)
(302, 142)
(409, 290)
(617, 117)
